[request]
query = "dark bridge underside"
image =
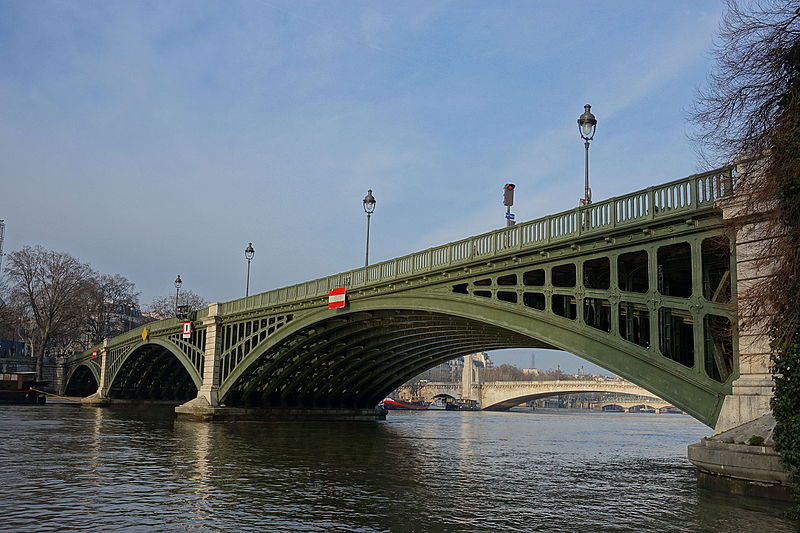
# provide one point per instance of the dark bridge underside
(82, 382)
(153, 373)
(355, 360)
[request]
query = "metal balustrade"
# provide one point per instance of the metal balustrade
(687, 195)
(690, 194)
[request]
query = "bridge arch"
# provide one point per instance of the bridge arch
(323, 356)
(444, 395)
(82, 380)
(380, 342)
(686, 387)
(578, 388)
(155, 369)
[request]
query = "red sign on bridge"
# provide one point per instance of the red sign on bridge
(336, 298)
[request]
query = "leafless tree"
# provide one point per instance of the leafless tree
(164, 306)
(50, 290)
(10, 321)
(508, 372)
(111, 302)
(748, 114)
(503, 372)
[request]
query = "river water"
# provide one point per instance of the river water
(66, 468)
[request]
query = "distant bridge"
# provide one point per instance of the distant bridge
(655, 404)
(643, 285)
(502, 395)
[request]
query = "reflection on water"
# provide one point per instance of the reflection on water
(67, 469)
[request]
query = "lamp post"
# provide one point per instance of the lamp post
(178, 284)
(586, 126)
(369, 208)
(249, 252)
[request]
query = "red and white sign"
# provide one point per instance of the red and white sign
(336, 298)
(187, 329)
(94, 354)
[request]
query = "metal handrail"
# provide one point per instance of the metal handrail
(685, 195)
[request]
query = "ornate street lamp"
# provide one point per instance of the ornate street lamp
(178, 284)
(248, 254)
(369, 208)
(587, 125)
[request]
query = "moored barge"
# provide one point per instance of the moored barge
(394, 405)
(21, 387)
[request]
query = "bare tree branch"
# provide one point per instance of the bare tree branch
(51, 286)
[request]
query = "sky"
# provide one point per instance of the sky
(152, 139)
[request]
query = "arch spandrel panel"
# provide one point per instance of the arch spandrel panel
(120, 356)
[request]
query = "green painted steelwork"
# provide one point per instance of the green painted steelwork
(642, 285)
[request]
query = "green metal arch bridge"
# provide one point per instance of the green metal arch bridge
(643, 285)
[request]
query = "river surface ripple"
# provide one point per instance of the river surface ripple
(73, 469)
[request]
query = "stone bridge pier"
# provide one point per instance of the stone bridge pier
(727, 461)
(752, 390)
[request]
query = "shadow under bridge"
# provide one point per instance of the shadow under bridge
(354, 359)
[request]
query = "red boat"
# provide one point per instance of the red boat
(394, 405)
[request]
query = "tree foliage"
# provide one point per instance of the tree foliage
(750, 114)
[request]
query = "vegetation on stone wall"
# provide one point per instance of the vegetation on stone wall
(786, 410)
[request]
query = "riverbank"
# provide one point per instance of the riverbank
(742, 461)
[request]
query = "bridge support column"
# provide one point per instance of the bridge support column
(210, 386)
(752, 391)
(101, 396)
(471, 377)
(59, 383)
(206, 404)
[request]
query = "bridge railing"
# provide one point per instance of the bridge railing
(687, 195)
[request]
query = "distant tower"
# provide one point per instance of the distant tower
(533, 359)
